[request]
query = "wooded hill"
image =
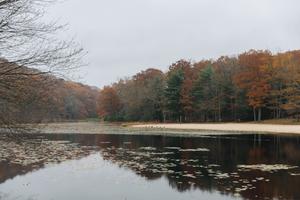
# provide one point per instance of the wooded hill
(28, 95)
(254, 85)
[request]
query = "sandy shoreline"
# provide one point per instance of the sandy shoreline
(228, 127)
(169, 129)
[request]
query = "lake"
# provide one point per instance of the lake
(134, 167)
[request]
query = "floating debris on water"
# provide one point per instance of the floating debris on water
(189, 176)
(197, 149)
(174, 148)
(266, 168)
(40, 152)
(148, 148)
(161, 153)
(214, 165)
(222, 175)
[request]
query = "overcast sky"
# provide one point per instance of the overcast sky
(126, 36)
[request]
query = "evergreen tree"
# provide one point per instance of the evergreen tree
(173, 93)
(204, 93)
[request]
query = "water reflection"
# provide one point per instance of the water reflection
(252, 167)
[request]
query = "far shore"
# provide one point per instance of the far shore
(171, 129)
(226, 127)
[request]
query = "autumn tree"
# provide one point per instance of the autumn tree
(186, 98)
(142, 96)
(109, 104)
(230, 99)
(278, 80)
(253, 78)
(79, 101)
(150, 85)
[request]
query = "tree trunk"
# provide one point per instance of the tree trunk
(254, 114)
(259, 114)
(219, 113)
(215, 116)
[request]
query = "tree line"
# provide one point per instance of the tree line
(254, 85)
(42, 97)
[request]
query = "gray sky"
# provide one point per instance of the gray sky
(126, 36)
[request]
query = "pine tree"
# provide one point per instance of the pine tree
(205, 94)
(173, 93)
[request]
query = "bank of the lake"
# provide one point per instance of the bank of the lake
(169, 129)
(219, 128)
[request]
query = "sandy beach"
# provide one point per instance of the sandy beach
(228, 127)
(169, 129)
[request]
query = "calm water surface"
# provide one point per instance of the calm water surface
(132, 167)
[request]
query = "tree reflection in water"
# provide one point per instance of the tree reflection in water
(228, 164)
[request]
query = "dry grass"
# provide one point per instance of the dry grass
(280, 121)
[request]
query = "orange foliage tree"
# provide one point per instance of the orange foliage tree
(253, 77)
(108, 103)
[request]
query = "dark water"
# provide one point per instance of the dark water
(128, 167)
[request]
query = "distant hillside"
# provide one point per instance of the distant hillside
(29, 95)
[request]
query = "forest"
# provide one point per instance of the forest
(252, 86)
(29, 96)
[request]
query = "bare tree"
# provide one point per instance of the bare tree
(26, 41)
